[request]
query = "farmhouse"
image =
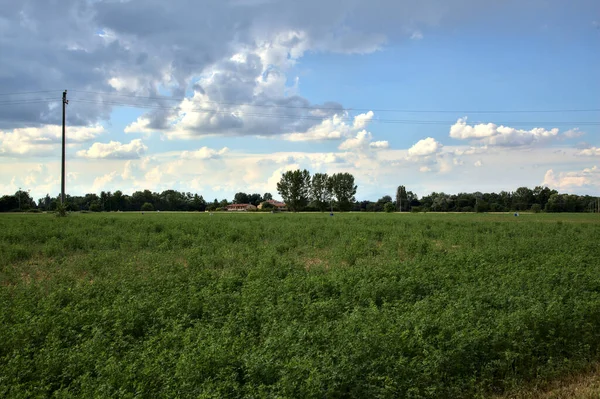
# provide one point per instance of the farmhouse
(241, 207)
(277, 204)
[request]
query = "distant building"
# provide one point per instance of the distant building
(241, 207)
(276, 204)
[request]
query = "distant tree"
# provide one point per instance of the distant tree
(389, 207)
(343, 189)
(384, 200)
(402, 201)
(255, 199)
(440, 202)
(536, 208)
(267, 196)
(294, 188)
(213, 205)
(95, 206)
(267, 206)
(147, 207)
(224, 203)
(320, 191)
(241, 198)
(482, 206)
(198, 203)
(118, 200)
(541, 195)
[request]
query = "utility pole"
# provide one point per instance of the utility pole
(62, 181)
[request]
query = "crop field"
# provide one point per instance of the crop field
(191, 305)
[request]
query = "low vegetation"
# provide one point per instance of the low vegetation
(295, 305)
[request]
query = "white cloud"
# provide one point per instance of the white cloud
(589, 152)
(424, 169)
(362, 142)
(204, 153)
(141, 125)
(379, 144)
(494, 135)
(478, 163)
(102, 181)
(362, 120)
(472, 150)
(563, 181)
(362, 139)
(333, 128)
(115, 150)
(416, 35)
(43, 140)
(573, 133)
(425, 147)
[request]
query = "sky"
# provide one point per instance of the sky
(220, 96)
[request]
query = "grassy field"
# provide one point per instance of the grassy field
(295, 305)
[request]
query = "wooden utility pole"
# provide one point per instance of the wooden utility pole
(62, 181)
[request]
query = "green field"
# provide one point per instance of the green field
(295, 305)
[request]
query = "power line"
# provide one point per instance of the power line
(18, 93)
(320, 118)
(164, 98)
(28, 101)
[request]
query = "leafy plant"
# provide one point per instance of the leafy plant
(356, 305)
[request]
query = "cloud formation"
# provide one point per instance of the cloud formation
(114, 150)
(204, 153)
(565, 181)
(494, 135)
(589, 152)
(333, 128)
(425, 147)
(233, 51)
(41, 141)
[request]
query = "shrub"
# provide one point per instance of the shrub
(61, 210)
(389, 207)
(147, 207)
(536, 208)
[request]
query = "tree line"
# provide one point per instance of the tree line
(146, 200)
(319, 192)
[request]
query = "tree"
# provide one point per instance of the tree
(96, 206)
(255, 199)
(240, 198)
(320, 191)
(118, 200)
(523, 199)
(294, 188)
(147, 207)
(402, 202)
(267, 206)
(482, 206)
(389, 207)
(267, 197)
(541, 195)
(198, 203)
(343, 188)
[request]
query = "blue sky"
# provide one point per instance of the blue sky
(286, 85)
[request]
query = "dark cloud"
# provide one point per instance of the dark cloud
(150, 45)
